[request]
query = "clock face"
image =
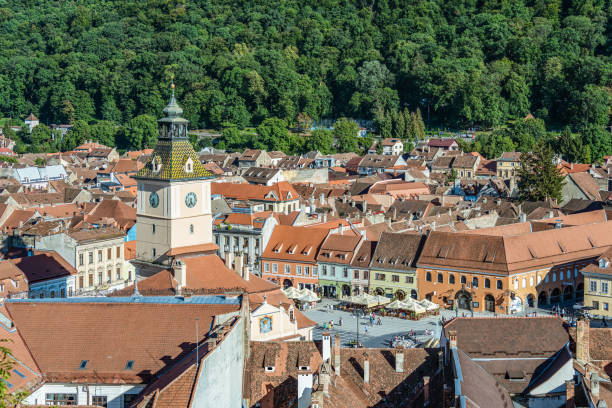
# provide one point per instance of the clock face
(191, 199)
(154, 199)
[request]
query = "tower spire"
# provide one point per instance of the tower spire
(173, 110)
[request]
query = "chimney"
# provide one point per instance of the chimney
(337, 354)
(569, 394)
(582, 340)
(341, 230)
(317, 399)
(228, 259)
(304, 388)
(523, 217)
(551, 214)
(399, 360)
(366, 369)
(558, 223)
(364, 205)
(238, 263)
(326, 346)
(247, 272)
(452, 338)
(595, 387)
(180, 273)
(426, 390)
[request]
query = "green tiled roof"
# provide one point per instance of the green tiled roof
(173, 153)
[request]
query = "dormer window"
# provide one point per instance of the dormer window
(269, 369)
(189, 165)
(604, 263)
(156, 165)
(305, 368)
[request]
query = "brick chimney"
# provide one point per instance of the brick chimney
(366, 369)
(238, 263)
(228, 259)
(399, 360)
(452, 338)
(595, 387)
(337, 354)
(426, 390)
(569, 394)
(582, 340)
(304, 388)
(180, 273)
(326, 352)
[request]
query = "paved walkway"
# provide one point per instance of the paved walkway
(381, 336)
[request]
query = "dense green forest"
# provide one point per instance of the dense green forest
(462, 63)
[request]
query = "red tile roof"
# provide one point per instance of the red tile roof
(151, 335)
(295, 243)
(281, 191)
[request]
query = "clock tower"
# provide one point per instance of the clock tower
(173, 215)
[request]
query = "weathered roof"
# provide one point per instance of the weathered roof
(397, 251)
(158, 327)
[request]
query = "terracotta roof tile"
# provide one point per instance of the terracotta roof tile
(295, 243)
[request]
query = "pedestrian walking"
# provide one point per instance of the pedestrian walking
(366, 330)
(340, 322)
(379, 321)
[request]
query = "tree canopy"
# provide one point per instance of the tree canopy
(539, 177)
(461, 63)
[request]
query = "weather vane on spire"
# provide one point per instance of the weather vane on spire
(172, 84)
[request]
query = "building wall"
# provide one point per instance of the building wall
(172, 218)
(389, 287)
(60, 243)
(570, 190)
(88, 272)
(220, 381)
(307, 175)
(282, 324)
(361, 283)
(600, 297)
(114, 393)
(296, 279)
(53, 288)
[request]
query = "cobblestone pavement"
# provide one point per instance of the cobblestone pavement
(381, 336)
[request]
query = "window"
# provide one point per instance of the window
(604, 287)
(539, 279)
(561, 275)
(593, 285)
(298, 270)
(463, 279)
(451, 279)
(409, 279)
(287, 269)
(129, 365)
(366, 275)
(60, 399)
(531, 281)
(52, 294)
(81, 284)
(324, 270)
(191, 228)
(595, 305)
(554, 276)
(81, 261)
(109, 275)
(118, 254)
(91, 257)
(154, 252)
(118, 274)
(63, 293)
(345, 272)
(500, 285)
(153, 228)
(83, 364)
(516, 284)
(394, 278)
(576, 272)
(266, 267)
(379, 276)
(99, 400)
(487, 283)
(100, 256)
(355, 275)
(524, 283)
(91, 279)
(99, 278)
(428, 276)
(475, 282)
(307, 270)
(333, 271)
(546, 278)
(440, 278)
(109, 253)
(128, 399)
(275, 268)
(605, 306)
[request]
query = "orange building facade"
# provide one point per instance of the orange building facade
(506, 270)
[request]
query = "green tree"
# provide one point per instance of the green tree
(321, 140)
(345, 133)
(8, 398)
(139, 133)
(539, 178)
(104, 132)
(274, 135)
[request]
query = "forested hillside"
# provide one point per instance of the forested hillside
(463, 63)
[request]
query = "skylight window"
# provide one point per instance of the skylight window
(83, 364)
(19, 373)
(129, 365)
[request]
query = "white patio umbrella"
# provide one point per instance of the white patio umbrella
(291, 292)
(309, 297)
(429, 305)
